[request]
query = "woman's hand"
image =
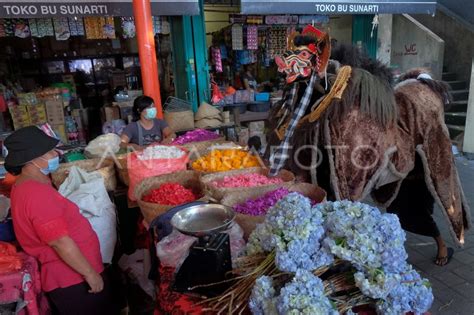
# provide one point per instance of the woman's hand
(167, 140)
(67, 249)
(95, 282)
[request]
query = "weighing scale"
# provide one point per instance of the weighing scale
(209, 258)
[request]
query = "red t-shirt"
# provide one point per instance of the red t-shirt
(40, 216)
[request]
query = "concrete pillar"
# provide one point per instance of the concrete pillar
(468, 146)
(384, 38)
(147, 52)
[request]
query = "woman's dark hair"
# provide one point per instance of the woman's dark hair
(139, 105)
(14, 170)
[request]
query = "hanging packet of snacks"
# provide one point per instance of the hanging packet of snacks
(45, 27)
(93, 27)
(61, 28)
(128, 27)
(22, 30)
(9, 27)
(109, 28)
(80, 27)
(2, 28)
(101, 28)
(252, 37)
(223, 50)
(216, 58)
(33, 27)
(156, 25)
(237, 37)
(72, 26)
(76, 26)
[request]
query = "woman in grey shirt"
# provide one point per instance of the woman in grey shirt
(146, 129)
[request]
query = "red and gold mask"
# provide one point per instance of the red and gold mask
(300, 61)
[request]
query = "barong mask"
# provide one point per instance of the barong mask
(308, 51)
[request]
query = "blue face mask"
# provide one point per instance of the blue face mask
(53, 165)
(150, 113)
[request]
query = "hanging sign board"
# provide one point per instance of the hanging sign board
(338, 7)
(55, 8)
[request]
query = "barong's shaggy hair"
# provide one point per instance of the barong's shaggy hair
(373, 118)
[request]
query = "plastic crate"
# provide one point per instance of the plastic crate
(262, 97)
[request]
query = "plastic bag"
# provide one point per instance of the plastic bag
(104, 145)
(138, 170)
(237, 242)
(174, 249)
(10, 261)
(115, 126)
(88, 192)
(137, 268)
(4, 207)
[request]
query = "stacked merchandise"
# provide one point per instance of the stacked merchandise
(45, 106)
(237, 37)
(276, 42)
(252, 37)
(61, 28)
(99, 27)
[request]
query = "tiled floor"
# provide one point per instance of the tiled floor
(453, 285)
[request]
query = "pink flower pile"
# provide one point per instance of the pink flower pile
(246, 180)
(260, 206)
(195, 136)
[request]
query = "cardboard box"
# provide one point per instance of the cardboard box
(37, 114)
(111, 113)
(55, 111)
(125, 109)
(20, 116)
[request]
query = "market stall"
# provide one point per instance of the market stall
(207, 225)
(203, 216)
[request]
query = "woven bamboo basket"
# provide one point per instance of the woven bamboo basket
(200, 148)
(219, 193)
(248, 223)
(122, 170)
(188, 179)
(105, 168)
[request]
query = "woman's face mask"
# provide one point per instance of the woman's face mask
(53, 165)
(150, 113)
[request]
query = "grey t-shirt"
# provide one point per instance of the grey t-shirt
(153, 135)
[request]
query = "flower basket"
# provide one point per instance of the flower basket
(219, 193)
(122, 170)
(105, 168)
(249, 222)
(188, 179)
(200, 148)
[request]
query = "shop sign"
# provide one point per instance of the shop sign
(41, 8)
(338, 7)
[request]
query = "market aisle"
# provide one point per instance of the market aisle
(453, 285)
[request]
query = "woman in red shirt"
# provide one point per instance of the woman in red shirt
(50, 228)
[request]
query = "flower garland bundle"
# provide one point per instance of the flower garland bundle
(329, 258)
